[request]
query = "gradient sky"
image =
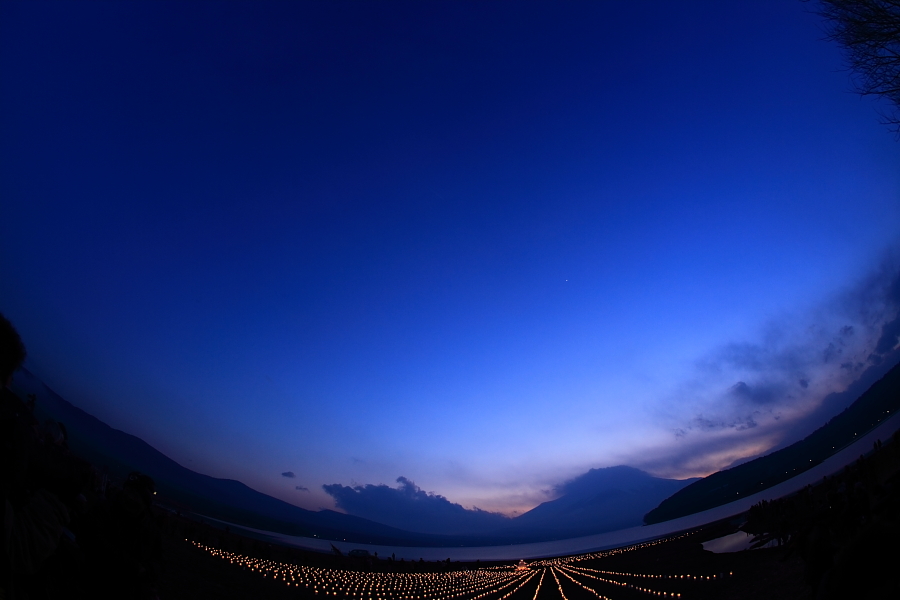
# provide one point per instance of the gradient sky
(483, 246)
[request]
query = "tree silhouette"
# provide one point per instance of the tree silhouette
(869, 31)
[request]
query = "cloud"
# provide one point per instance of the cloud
(288, 474)
(759, 394)
(301, 488)
(752, 396)
(411, 508)
(890, 336)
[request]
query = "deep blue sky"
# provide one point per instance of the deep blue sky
(484, 246)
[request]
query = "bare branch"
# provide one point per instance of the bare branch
(869, 31)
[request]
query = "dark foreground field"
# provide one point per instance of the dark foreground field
(192, 572)
(838, 539)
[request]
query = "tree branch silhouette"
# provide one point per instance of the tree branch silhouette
(869, 31)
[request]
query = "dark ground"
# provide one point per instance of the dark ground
(774, 573)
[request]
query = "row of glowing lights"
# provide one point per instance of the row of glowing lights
(650, 576)
(406, 586)
(558, 584)
(561, 570)
(591, 590)
(322, 575)
(521, 580)
(540, 581)
(630, 586)
(564, 560)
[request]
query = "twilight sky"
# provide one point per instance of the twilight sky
(482, 246)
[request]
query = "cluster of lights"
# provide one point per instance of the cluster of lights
(626, 585)
(651, 576)
(356, 585)
(493, 583)
(591, 590)
(598, 578)
(522, 582)
(521, 579)
(540, 581)
(630, 586)
(565, 560)
(558, 584)
(585, 572)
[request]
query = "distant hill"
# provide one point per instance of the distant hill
(874, 405)
(595, 502)
(224, 499)
(598, 501)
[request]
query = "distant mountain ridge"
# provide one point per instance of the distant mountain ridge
(223, 499)
(880, 401)
(597, 501)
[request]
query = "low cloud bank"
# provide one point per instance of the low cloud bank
(409, 507)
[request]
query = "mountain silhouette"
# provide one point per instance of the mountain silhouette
(598, 501)
(225, 499)
(875, 405)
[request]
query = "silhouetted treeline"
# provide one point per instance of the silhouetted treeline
(67, 530)
(846, 528)
(73, 533)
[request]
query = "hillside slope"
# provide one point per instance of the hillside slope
(224, 499)
(598, 501)
(874, 405)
